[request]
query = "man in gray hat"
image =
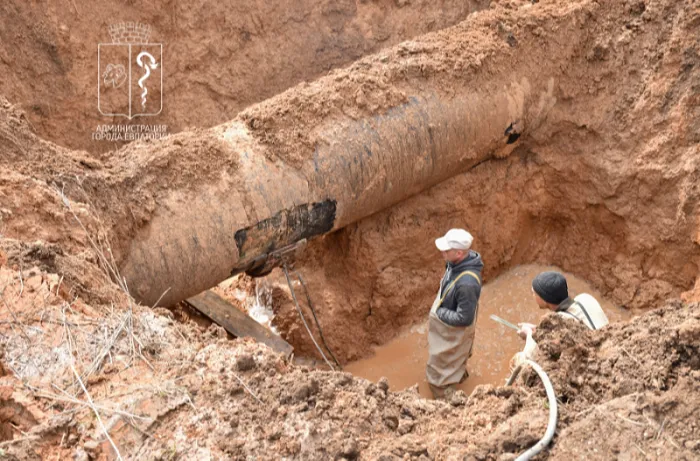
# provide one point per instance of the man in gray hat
(452, 320)
(551, 292)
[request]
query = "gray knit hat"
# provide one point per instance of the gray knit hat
(551, 286)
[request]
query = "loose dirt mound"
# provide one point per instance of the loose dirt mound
(638, 383)
(644, 397)
(233, 399)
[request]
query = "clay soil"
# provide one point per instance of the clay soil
(220, 57)
(606, 188)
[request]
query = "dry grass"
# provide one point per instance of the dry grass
(55, 348)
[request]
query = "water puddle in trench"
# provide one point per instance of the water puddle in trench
(403, 359)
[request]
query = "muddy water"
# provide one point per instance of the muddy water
(509, 296)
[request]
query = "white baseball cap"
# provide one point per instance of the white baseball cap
(455, 239)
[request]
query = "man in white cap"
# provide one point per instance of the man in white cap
(452, 320)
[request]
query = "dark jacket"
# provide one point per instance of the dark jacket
(459, 307)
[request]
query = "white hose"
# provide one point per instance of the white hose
(308, 330)
(551, 398)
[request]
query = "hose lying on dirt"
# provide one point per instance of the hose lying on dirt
(551, 398)
(296, 303)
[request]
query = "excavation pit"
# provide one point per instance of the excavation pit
(562, 133)
(402, 360)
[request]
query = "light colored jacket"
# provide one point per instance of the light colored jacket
(585, 309)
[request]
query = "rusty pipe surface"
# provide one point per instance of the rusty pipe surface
(357, 167)
(365, 166)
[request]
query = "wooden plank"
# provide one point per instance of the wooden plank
(236, 322)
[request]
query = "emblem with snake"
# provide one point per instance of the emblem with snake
(147, 67)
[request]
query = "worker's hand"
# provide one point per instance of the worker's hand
(526, 328)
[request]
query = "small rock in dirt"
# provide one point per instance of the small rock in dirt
(689, 332)
(371, 387)
(305, 390)
(406, 426)
(291, 447)
(507, 457)
(692, 444)
(350, 449)
(458, 399)
(91, 445)
(245, 362)
(344, 379)
(387, 457)
(80, 455)
(322, 406)
(391, 421)
(33, 283)
(235, 389)
(217, 331)
(415, 449)
(164, 312)
(383, 384)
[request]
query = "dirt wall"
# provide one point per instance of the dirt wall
(218, 57)
(606, 187)
(570, 194)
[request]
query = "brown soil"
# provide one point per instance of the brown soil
(325, 415)
(606, 187)
(219, 57)
(638, 380)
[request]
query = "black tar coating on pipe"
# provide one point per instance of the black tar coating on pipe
(286, 227)
(512, 134)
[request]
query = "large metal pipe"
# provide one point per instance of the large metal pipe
(195, 242)
(197, 238)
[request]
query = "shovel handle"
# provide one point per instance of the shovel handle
(504, 322)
